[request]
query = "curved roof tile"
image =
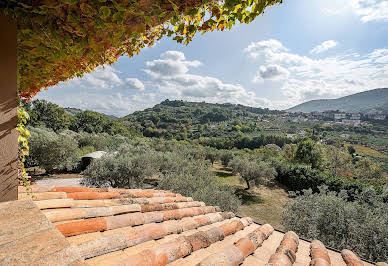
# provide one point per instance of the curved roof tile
(154, 227)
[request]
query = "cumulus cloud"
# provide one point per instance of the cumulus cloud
(271, 72)
(170, 64)
(134, 84)
(171, 74)
(255, 49)
(366, 10)
(323, 47)
(105, 78)
(370, 10)
(328, 77)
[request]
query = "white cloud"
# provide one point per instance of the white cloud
(171, 63)
(323, 47)
(370, 10)
(134, 84)
(255, 49)
(329, 77)
(271, 72)
(170, 73)
(104, 78)
(366, 10)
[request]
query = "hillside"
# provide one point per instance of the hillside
(181, 119)
(364, 101)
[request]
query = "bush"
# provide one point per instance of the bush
(299, 177)
(195, 180)
(54, 152)
(124, 171)
(359, 225)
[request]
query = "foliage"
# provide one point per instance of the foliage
(102, 141)
(366, 169)
(309, 152)
(48, 115)
(225, 156)
(124, 171)
(54, 151)
(195, 180)
(58, 40)
(251, 171)
(93, 122)
(359, 225)
(24, 149)
(338, 161)
(299, 177)
(211, 154)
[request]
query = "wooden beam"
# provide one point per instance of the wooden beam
(8, 110)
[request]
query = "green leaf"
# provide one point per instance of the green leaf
(105, 12)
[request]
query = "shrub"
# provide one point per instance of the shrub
(195, 180)
(299, 177)
(359, 225)
(54, 152)
(124, 171)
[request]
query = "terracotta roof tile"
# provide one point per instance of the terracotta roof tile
(153, 227)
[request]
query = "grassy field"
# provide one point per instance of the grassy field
(263, 204)
(366, 151)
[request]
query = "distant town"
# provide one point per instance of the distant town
(331, 117)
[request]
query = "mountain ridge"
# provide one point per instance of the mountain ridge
(371, 100)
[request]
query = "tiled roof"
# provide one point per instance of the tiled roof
(154, 227)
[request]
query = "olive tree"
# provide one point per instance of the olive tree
(251, 171)
(359, 225)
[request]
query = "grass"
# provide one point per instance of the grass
(263, 204)
(366, 151)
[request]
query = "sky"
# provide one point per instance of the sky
(296, 51)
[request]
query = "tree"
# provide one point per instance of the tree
(289, 151)
(366, 169)
(124, 171)
(49, 115)
(211, 155)
(309, 152)
(54, 152)
(338, 161)
(226, 156)
(93, 122)
(359, 225)
(351, 150)
(252, 172)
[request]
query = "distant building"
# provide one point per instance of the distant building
(378, 117)
(351, 122)
(339, 116)
(355, 117)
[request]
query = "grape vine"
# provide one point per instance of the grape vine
(59, 40)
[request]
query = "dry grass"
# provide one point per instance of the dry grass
(366, 151)
(263, 204)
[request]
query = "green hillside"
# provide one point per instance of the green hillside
(364, 101)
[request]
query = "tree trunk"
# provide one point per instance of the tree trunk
(248, 185)
(8, 111)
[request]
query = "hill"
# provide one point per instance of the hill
(376, 99)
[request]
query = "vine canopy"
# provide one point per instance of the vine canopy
(62, 39)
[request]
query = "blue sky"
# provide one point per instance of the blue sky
(297, 51)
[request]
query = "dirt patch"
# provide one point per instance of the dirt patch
(263, 204)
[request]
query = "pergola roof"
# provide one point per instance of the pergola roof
(59, 40)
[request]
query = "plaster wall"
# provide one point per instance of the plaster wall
(8, 111)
